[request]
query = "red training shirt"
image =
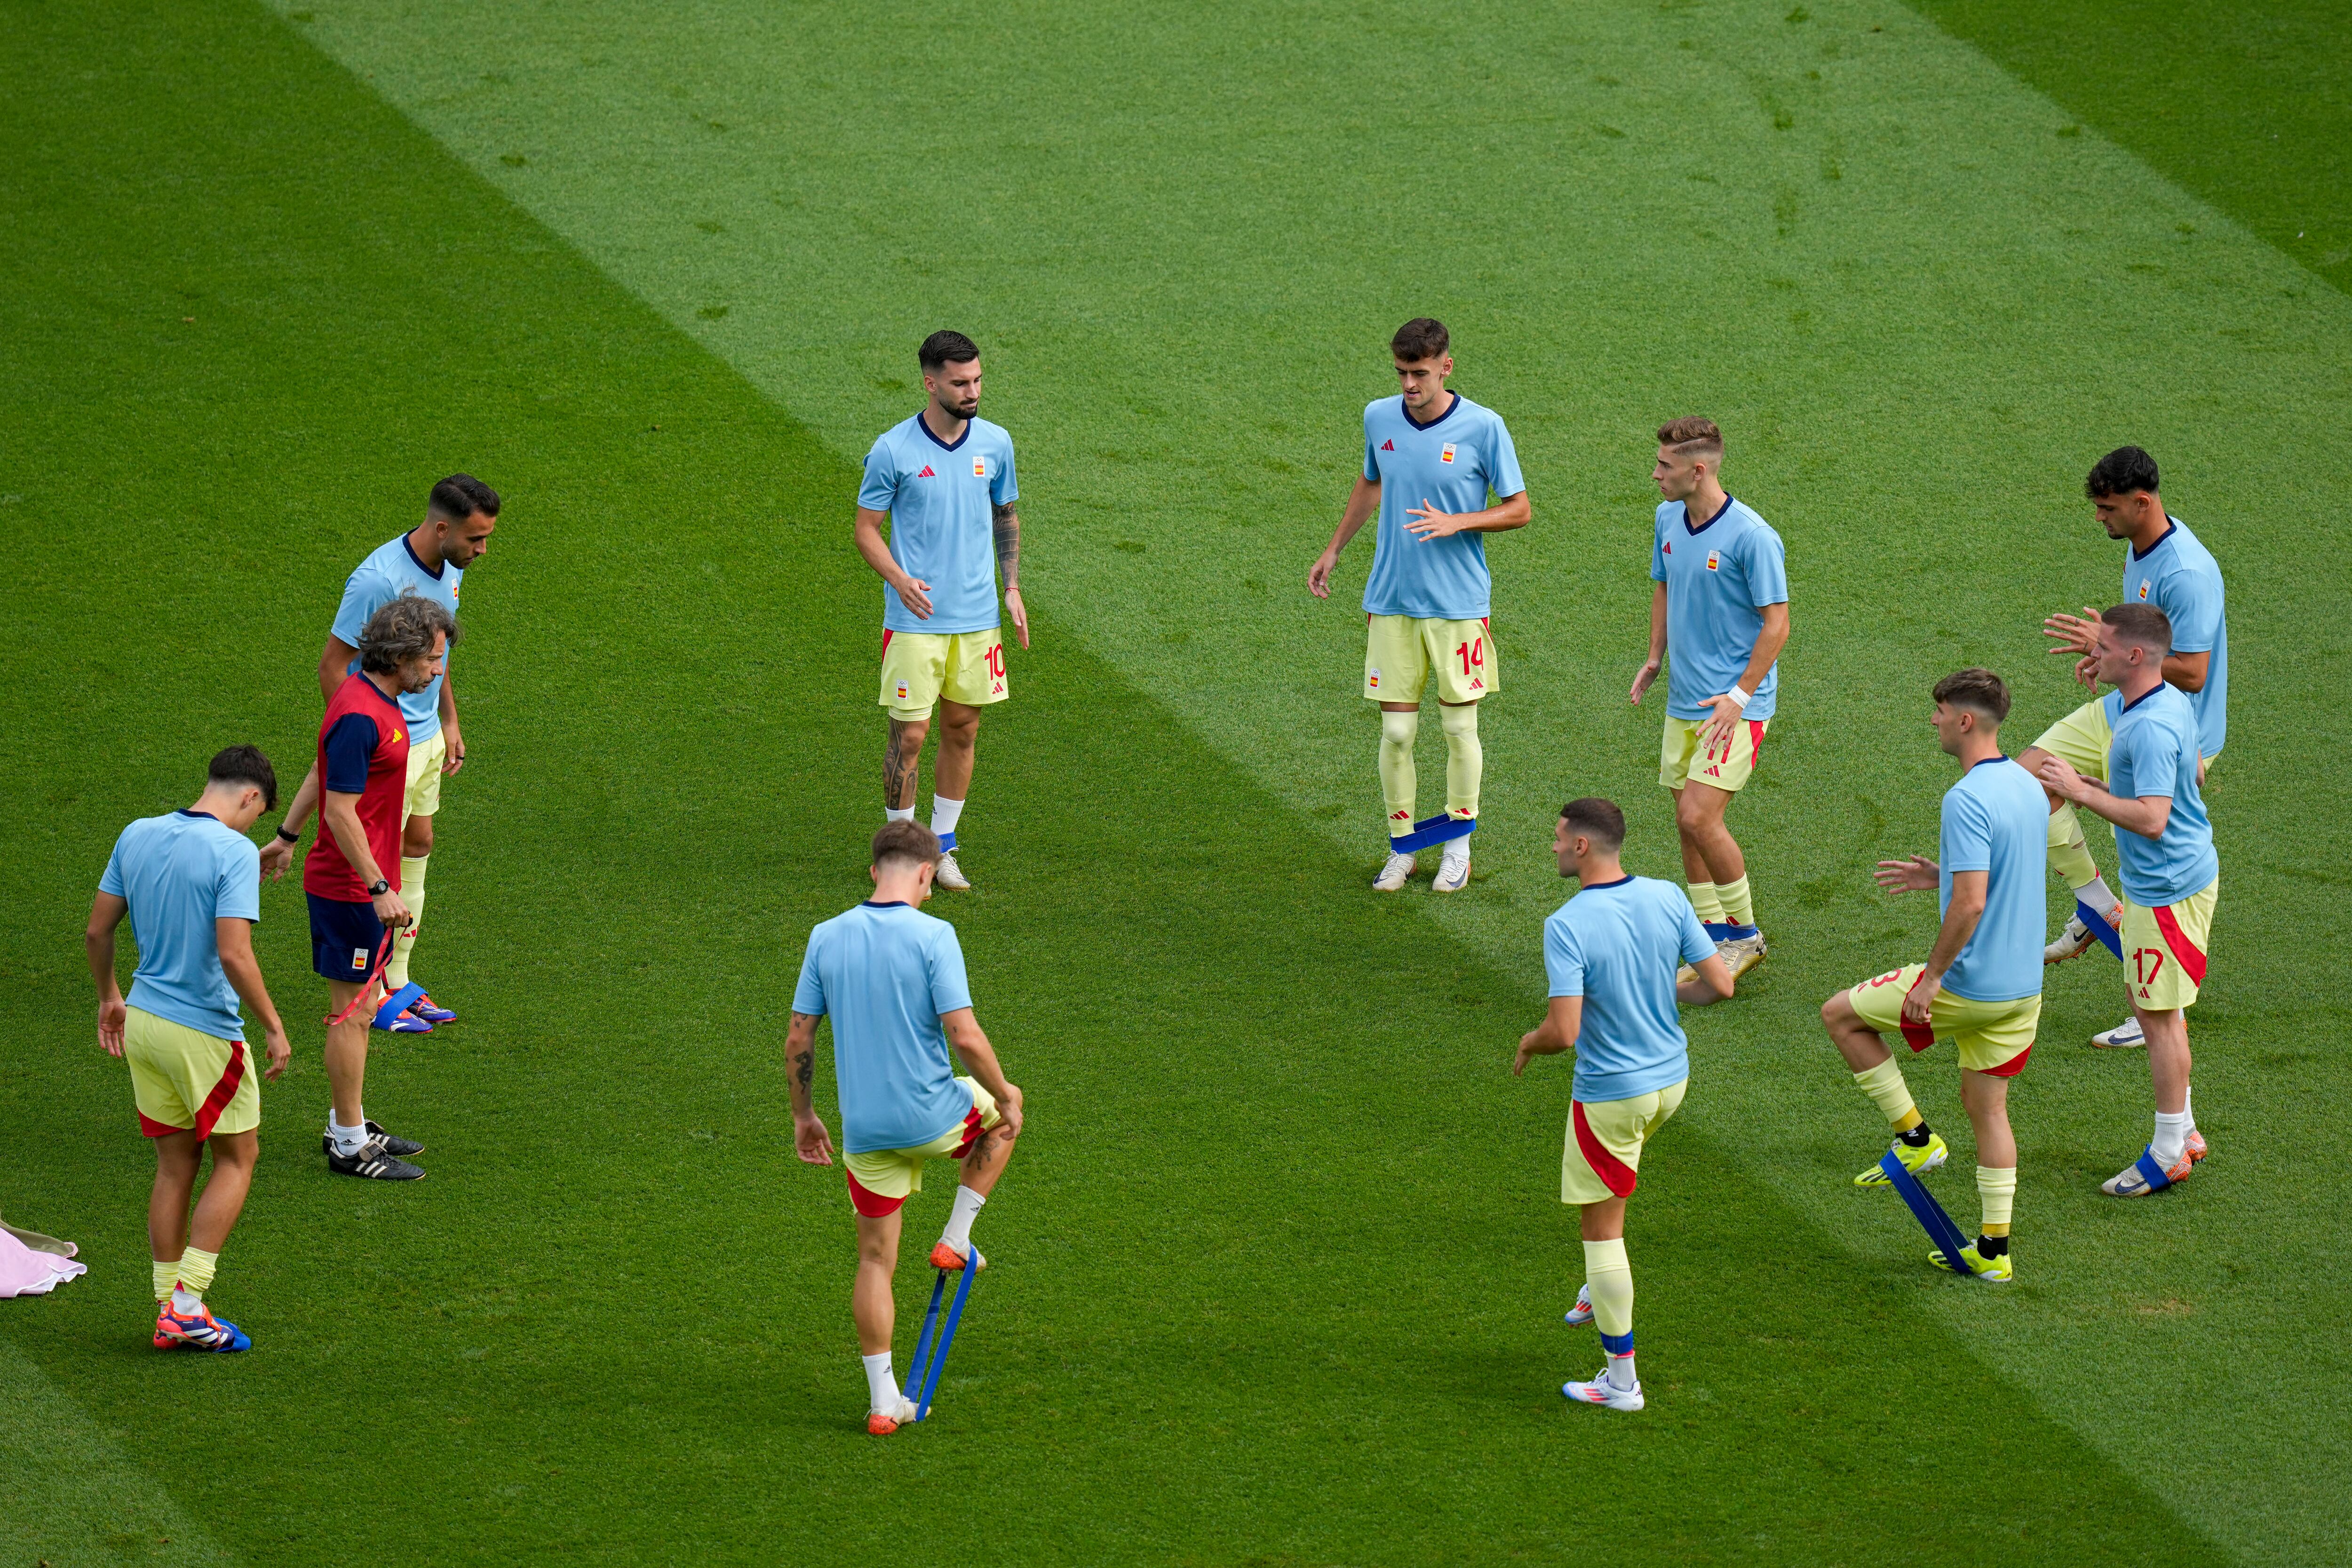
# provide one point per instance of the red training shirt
(363, 751)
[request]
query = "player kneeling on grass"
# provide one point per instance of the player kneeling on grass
(1611, 952)
(1982, 986)
(191, 882)
(892, 980)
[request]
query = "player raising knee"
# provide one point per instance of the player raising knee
(1719, 620)
(892, 980)
(1982, 986)
(1430, 459)
(1611, 953)
(2170, 873)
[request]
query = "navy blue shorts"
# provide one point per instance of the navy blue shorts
(343, 938)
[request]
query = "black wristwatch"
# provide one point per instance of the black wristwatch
(381, 889)
(289, 838)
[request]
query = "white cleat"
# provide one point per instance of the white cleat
(951, 875)
(1394, 875)
(1581, 1313)
(1741, 953)
(1453, 868)
(2124, 1036)
(2078, 939)
(882, 1423)
(1600, 1391)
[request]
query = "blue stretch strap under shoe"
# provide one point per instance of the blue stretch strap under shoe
(1432, 830)
(1927, 1211)
(947, 842)
(396, 1004)
(2148, 1167)
(971, 1271)
(2097, 922)
(923, 1340)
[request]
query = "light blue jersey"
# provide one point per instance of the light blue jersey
(1719, 576)
(886, 974)
(2180, 576)
(1997, 821)
(1617, 944)
(392, 571)
(2154, 751)
(179, 873)
(1452, 463)
(941, 499)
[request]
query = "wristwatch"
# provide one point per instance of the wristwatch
(289, 838)
(383, 886)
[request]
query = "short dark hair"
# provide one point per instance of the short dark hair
(1423, 337)
(459, 496)
(942, 348)
(2120, 472)
(246, 766)
(1693, 432)
(1597, 819)
(2142, 624)
(906, 841)
(1978, 690)
(404, 630)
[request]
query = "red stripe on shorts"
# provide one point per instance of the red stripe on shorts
(972, 1131)
(2185, 952)
(2011, 1068)
(868, 1202)
(1755, 742)
(885, 639)
(222, 1092)
(150, 1127)
(1615, 1174)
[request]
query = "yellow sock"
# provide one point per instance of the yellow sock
(1997, 1186)
(1735, 907)
(412, 893)
(1466, 759)
(1609, 1278)
(197, 1267)
(1708, 902)
(166, 1276)
(1398, 781)
(2069, 856)
(1885, 1085)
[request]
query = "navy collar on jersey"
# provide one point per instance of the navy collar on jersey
(1711, 522)
(208, 817)
(1996, 757)
(432, 572)
(2171, 527)
(2143, 697)
(1433, 424)
(925, 425)
(886, 904)
(1596, 886)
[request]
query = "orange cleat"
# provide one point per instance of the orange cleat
(949, 1258)
(882, 1423)
(2196, 1148)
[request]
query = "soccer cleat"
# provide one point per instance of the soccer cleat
(2196, 1146)
(398, 1148)
(1394, 875)
(1992, 1270)
(882, 1423)
(198, 1330)
(944, 1255)
(1918, 1161)
(1600, 1391)
(2078, 938)
(2124, 1036)
(1581, 1313)
(426, 1008)
(374, 1163)
(402, 1023)
(2144, 1175)
(1453, 868)
(950, 875)
(1739, 954)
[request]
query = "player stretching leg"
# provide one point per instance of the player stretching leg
(359, 780)
(2170, 874)
(1719, 620)
(1982, 986)
(2167, 567)
(892, 980)
(191, 883)
(428, 561)
(1611, 953)
(1431, 460)
(944, 481)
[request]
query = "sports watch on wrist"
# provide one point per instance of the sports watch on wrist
(383, 886)
(289, 838)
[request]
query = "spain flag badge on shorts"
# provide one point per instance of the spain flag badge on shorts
(902, 691)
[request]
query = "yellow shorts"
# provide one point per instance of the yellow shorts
(1603, 1157)
(2164, 948)
(1994, 1037)
(920, 668)
(184, 1079)
(2081, 740)
(424, 774)
(1401, 650)
(882, 1179)
(1727, 767)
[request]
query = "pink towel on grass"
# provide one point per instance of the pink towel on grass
(25, 1272)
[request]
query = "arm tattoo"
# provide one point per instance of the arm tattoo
(804, 1067)
(1007, 527)
(898, 764)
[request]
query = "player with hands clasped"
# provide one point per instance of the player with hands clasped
(1982, 986)
(1719, 620)
(1431, 460)
(943, 481)
(1611, 954)
(191, 882)
(892, 980)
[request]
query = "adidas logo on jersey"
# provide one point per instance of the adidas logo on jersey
(1388, 445)
(1669, 547)
(927, 473)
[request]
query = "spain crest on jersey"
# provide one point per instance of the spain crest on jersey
(980, 468)
(1447, 455)
(2143, 590)
(1713, 559)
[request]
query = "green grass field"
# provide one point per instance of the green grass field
(1280, 1267)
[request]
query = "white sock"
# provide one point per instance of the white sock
(1621, 1371)
(958, 1234)
(898, 813)
(2188, 1109)
(2095, 894)
(945, 814)
(2171, 1137)
(347, 1139)
(186, 1302)
(881, 1385)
